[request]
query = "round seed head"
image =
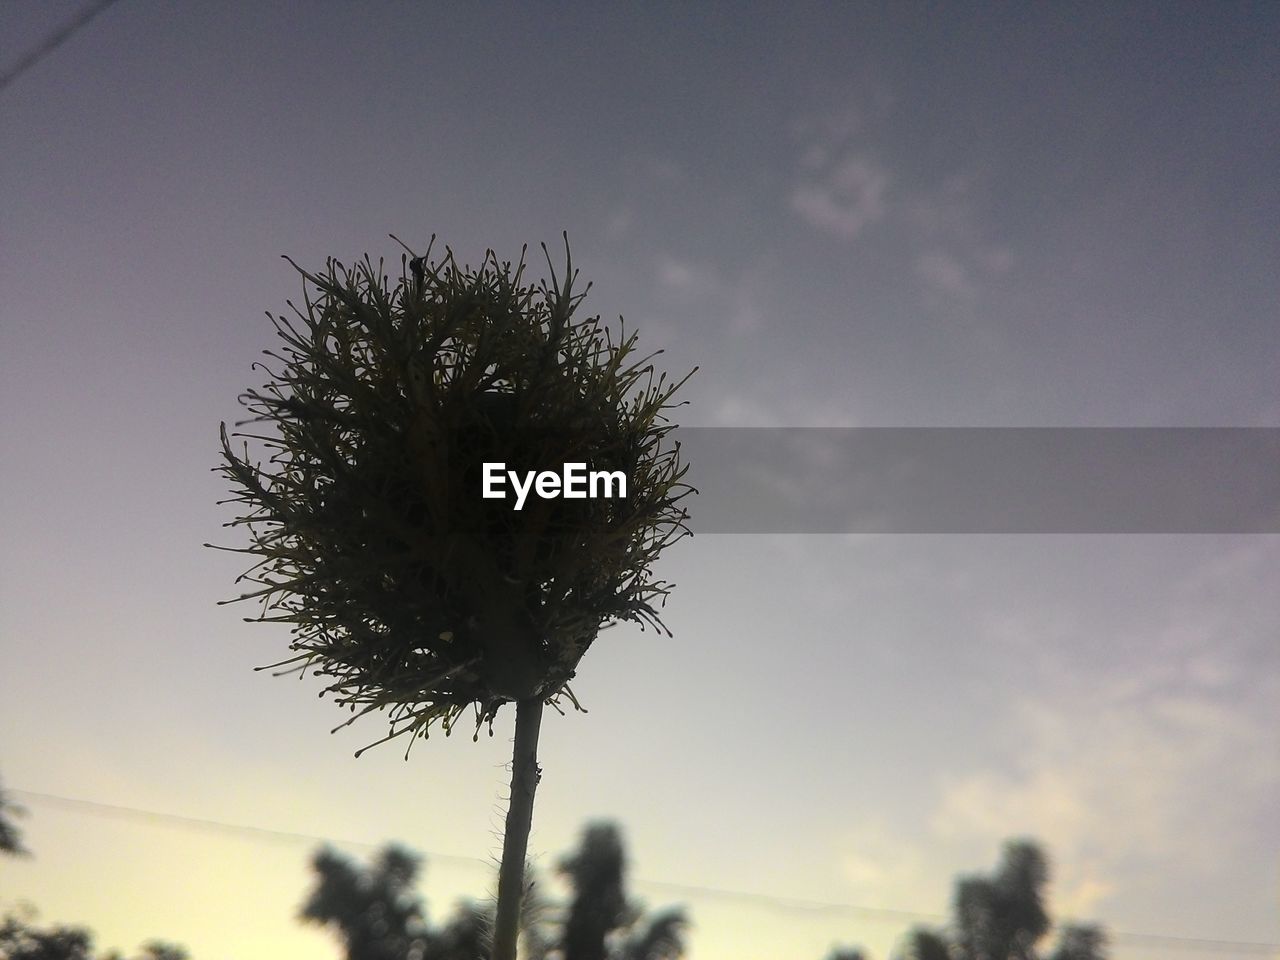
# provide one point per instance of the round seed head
(404, 585)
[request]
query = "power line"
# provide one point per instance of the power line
(741, 896)
(793, 904)
(213, 826)
(52, 42)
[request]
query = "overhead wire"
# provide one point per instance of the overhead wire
(693, 890)
(52, 42)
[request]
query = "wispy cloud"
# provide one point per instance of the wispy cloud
(739, 410)
(1135, 779)
(943, 273)
(840, 187)
(1155, 771)
(665, 170)
(685, 276)
(887, 871)
(1154, 796)
(844, 197)
(1147, 764)
(845, 184)
(619, 223)
(730, 296)
(956, 258)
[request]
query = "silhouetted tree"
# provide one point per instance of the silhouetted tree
(599, 905)
(10, 838)
(378, 915)
(465, 937)
(1080, 942)
(661, 938)
(602, 923)
(159, 950)
(925, 945)
(1002, 917)
(376, 911)
(21, 940)
(846, 953)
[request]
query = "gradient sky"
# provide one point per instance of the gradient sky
(873, 214)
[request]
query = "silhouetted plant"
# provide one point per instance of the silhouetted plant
(1080, 942)
(599, 903)
(925, 945)
(10, 838)
(401, 583)
(465, 937)
(376, 912)
(660, 938)
(378, 915)
(21, 939)
(1002, 917)
(163, 950)
(603, 923)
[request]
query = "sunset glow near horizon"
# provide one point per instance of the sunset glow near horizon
(870, 215)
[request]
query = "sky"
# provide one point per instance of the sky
(892, 215)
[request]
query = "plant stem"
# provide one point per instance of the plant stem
(515, 842)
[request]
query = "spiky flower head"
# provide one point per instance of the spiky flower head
(404, 585)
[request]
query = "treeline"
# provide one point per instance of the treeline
(1000, 917)
(376, 913)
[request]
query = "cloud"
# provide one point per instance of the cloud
(738, 410)
(943, 273)
(956, 256)
(1051, 805)
(1155, 796)
(886, 872)
(1143, 751)
(1121, 784)
(841, 188)
(845, 199)
(665, 170)
(619, 223)
(685, 276)
(734, 297)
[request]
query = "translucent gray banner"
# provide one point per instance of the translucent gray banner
(983, 480)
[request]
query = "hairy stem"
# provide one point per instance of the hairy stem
(515, 842)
